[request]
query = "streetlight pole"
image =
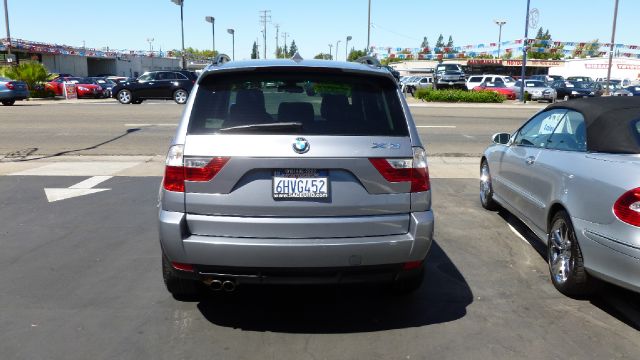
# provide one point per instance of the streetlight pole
(499, 23)
(337, 44)
(6, 19)
(369, 27)
(233, 43)
(346, 47)
(525, 46)
(613, 39)
(181, 3)
(212, 20)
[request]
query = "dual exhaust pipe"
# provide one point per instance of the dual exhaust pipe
(217, 285)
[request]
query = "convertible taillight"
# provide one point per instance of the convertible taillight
(413, 170)
(627, 207)
(178, 169)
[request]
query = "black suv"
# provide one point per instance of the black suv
(166, 85)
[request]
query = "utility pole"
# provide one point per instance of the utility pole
(330, 47)
(6, 19)
(613, 40)
(284, 35)
(337, 44)
(525, 47)
(277, 45)
(265, 18)
(499, 23)
(369, 28)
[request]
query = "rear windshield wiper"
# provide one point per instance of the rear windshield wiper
(279, 126)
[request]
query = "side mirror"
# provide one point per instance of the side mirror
(501, 138)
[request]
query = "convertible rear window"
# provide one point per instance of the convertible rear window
(297, 102)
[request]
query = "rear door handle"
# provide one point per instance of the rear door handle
(530, 160)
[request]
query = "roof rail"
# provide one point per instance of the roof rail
(369, 60)
(220, 59)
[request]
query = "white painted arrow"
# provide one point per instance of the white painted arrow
(80, 189)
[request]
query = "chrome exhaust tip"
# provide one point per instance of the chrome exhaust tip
(216, 285)
(229, 286)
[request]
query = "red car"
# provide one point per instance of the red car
(84, 87)
(497, 87)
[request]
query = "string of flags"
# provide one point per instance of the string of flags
(513, 46)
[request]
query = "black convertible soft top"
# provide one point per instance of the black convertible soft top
(610, 122)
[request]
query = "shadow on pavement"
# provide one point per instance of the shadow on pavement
(443, 297)
(20, 155)
(618, 302)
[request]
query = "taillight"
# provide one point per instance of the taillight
(11, 85)
(413, 170)
(182, 266)
(627, 207)
(178, 169)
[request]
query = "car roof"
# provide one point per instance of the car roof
(608, 121)
(244, 65)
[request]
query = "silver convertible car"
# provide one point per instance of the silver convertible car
(572, 175)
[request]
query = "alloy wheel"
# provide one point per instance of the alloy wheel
(560, 256)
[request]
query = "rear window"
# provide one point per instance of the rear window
(317, 103)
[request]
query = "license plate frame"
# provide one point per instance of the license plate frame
(300, 180)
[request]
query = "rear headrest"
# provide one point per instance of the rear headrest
(295, 112)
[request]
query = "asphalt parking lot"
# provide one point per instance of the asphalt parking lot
(81, 275)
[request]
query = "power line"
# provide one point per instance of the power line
(265, 18)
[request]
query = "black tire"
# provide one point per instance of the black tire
(181, 289)
(8, 102)
(410, 283)
(486, 188)
(180, 96)
(124, 96)
(566, 264)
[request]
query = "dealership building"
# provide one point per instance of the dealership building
(87, 62)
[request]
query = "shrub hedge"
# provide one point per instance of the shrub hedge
(459, 96)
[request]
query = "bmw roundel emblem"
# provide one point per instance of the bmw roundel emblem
(301, 145)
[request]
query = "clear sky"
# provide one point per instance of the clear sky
(126, 24)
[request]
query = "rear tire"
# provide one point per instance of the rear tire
(181, 289)
(124, 96)
(8, 102)
(409, 284)
(486, 188)
(180, 96)
(566, 264)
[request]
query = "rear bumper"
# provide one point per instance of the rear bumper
(607, 258)
(14, 95)
(355, 253)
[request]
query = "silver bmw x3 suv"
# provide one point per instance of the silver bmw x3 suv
(295, 172)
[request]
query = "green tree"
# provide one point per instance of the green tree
(450, 46)
(323, 56)
(425, 43)
(31, 72)
(293, 49)
(588, 49)
(543, 40)
(440, 42)
(356, 54)
(255, 53)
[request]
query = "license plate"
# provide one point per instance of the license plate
(300, 184)
(450, 82)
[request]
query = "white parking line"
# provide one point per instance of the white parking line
(147, 125)
(437, 126)
(513, 230)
